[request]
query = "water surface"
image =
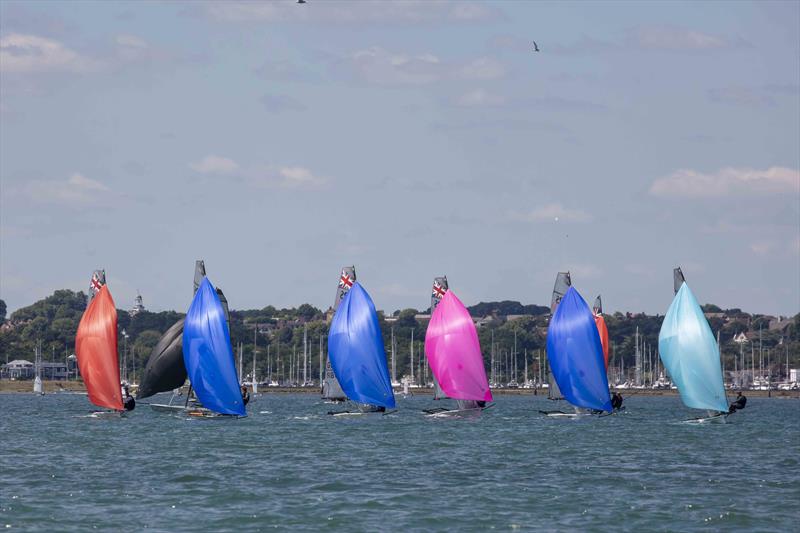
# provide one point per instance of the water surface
(291, 466)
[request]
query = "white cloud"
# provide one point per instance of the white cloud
(727, 181)
(552, 212)
(362, 11)
(287, 177)
(131, 41)
(212, 164)
(741, 96)
(76, 190)
(479, 98)
(380, 66)
(671, 38)
(26, 53)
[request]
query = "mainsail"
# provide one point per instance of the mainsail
(96, 350)
(563, 283)
(454, 353)
(576, 354)
(208, 355)
(96, 283)
(602, 329)
(165, 370)
(438, 291)
(689, 352)
(356, 352)
(331, 390)
(677, 279)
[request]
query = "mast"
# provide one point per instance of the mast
(412, 356)
(321, 364)
(638, 372)
(240, 362)
(305, 353)
(255, 346)
(394, 363)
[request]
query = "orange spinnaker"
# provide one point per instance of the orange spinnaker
(603, 331)
(96, 349)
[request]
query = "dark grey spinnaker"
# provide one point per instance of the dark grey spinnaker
(677, 279)
(440, 287)
(331, 390)
(97, 282)
(563, 283)
(165, 370)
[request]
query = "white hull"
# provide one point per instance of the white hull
(721, 418)
(37, 386)
(455, 413)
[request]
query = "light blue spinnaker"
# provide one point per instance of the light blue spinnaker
(576, 354)
(356, 352)
(690, 354)
(208, 356)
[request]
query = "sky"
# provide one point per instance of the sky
(280, 142)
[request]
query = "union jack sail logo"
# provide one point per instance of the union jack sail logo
(345, 281)
(438, 290)
(95, 285)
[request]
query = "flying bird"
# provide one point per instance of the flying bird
(535, 46)
(301, 1)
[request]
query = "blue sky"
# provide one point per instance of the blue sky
(280, 141)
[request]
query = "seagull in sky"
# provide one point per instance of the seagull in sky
(535, 47)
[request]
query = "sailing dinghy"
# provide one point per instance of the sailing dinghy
(438, 291)
(331, 390)
(562, 284)
(96, 349)
(208, 356)
(690, 354)
(575, 354)
(165, 370)
(455, 358)
(602, 329)
(357, 355)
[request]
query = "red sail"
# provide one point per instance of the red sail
(96, 348)
(603, 331)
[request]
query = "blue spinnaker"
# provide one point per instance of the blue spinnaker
(576, 354)
(208, 356)
(356, 353)
(690, 354)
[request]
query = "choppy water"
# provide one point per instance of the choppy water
(290, 466)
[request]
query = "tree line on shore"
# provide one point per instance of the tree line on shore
(281, 332)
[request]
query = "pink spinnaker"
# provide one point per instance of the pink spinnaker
(454, 353)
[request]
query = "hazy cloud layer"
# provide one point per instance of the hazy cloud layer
(727, 181)
(552, 213)
(21, 53)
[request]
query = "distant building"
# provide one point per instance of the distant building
(18, 369)
(740, 338)
(138, 305)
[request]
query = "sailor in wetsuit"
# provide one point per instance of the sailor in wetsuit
(739, 404)
(245, 395)
(129, 404)
(616, 401)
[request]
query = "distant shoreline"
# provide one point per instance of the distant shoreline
(21, 387)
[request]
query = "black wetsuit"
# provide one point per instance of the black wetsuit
(616, 401)
(246, 397)
(738, 405)
(130, 403)
(481, 403)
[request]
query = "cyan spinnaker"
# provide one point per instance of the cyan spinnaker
(576, 354)
(208, 356)
(689, 352)
(356, 352)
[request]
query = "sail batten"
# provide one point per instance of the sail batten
(454, 353)
(576, 354)
(356, 351)
(690, 354)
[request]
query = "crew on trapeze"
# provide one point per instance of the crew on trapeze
(129, 404)
(738, 404)
(616, 401)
